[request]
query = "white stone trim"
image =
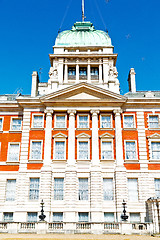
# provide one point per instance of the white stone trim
(60, 114)
(35, 140)
(107, 140)
(12, 143)
(134, 120)
(153, 114)
(136, 159)
(83, 140)
(106, 136)
(59, 139)
(1, 130)
(16, 117)
(37, 114)
(82, 114)
(105, 114)
(153, 138)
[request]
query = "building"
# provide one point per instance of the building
(80, 145)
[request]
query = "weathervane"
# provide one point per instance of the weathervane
(83, 17)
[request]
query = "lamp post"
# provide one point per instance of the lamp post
(42, 216)
(124, 216)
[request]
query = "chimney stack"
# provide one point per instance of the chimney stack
(35, 81)
(132, 81)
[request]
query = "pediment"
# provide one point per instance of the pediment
(83, 135)
(83, 92)
(106, 136)
(154, 136)
(59, 135)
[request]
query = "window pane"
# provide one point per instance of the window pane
(128, 121)
(16, 124)
(13, 153)
(107, 150)
(60, 121)
(83, 217)
(32, 217)
(83, 188)
(58, 217)
(83, 150)
(83, 121)
(109, 217)
(83, 71)
(153, 122)
(34, 189)
(106, 121)
(94, 71)
(71, 71)
(157, 187)
(130, 150)
(58, 188)
(36, 150)
(38, 121)
(108, 189)
(134, 217)
(133, 190)
(8, 217)
(1, 124)
(59, 150)
(155, 148)
(10, 190)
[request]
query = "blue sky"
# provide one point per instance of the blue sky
(28, 29)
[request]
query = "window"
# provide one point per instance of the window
(157, 187)
(83, 216)
(38, 121)
(10, 190)
(83, 71)
(130, 150)
(32, 217)
(83, 150)
(1, 124)
(8, 216)
(109, 217)
(108, 189)
(106, 151)
(16, 124)
(94, 71)
(153, 122)
(134, 217)
(132, 189)
(34, 189)
(105, 121)
(83, 188)
(36, 150)
(13, 153)
(58, 217)
(155, 150)
(83, 121)
(60, 150)
(60, 121)
(71, 71)
(58, 188)
(128, 121)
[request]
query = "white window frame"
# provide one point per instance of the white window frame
(136, 191)
(34, 199)
(11, 124)
(87, 215)
(1, 130)
(13, 143)
(111, 213)
(105, 115)
(136, 155)
(78, 120)
(157, 191)
(134, 121)
(61, 213)
(148, 122)
(37, 114)
(135, 214)
(54, 148)
(6, 197)
(111, 141)
(31, 149)
(79, 190)
(150, 149)
(55, 120)
(28, 217)
(83, 140)
(112, 189)
(63, 190)
(8, 220)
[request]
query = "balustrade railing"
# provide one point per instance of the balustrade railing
(83, 225)
(111, 226)
(55, 226)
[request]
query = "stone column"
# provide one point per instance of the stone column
(89, 72)
(95, 145)
(77, 73)
(118, 137)
(66, 74)
(60, 71)
(105, 70)
(100, 73)
(48, 138)
(71, 137)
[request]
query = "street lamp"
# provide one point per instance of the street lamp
(124, 216)
(42, 216)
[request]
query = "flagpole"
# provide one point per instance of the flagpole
(83, 11)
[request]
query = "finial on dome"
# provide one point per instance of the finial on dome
(83, 17)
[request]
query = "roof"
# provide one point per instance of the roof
(83, 34)
(143, 94)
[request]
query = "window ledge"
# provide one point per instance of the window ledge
(154, 129)
(107, 160)
(1, 131)
(154, 160)
(107, 129)
(56, 128)
(82, 129)
(35, 160)
(83, 160)
(12, 163)
(131, 160)
(130, 129)
(37, 129)
(59, 160)
(15, 131)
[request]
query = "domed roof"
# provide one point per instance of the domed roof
(83, 34)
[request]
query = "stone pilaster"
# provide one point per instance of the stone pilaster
(100, 72)
(66, 73)
(77, 72)
(89, 72)
(95, 145)
(105, 70)
(60, 71)
(71, 137)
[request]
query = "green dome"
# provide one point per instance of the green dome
(83, 34)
